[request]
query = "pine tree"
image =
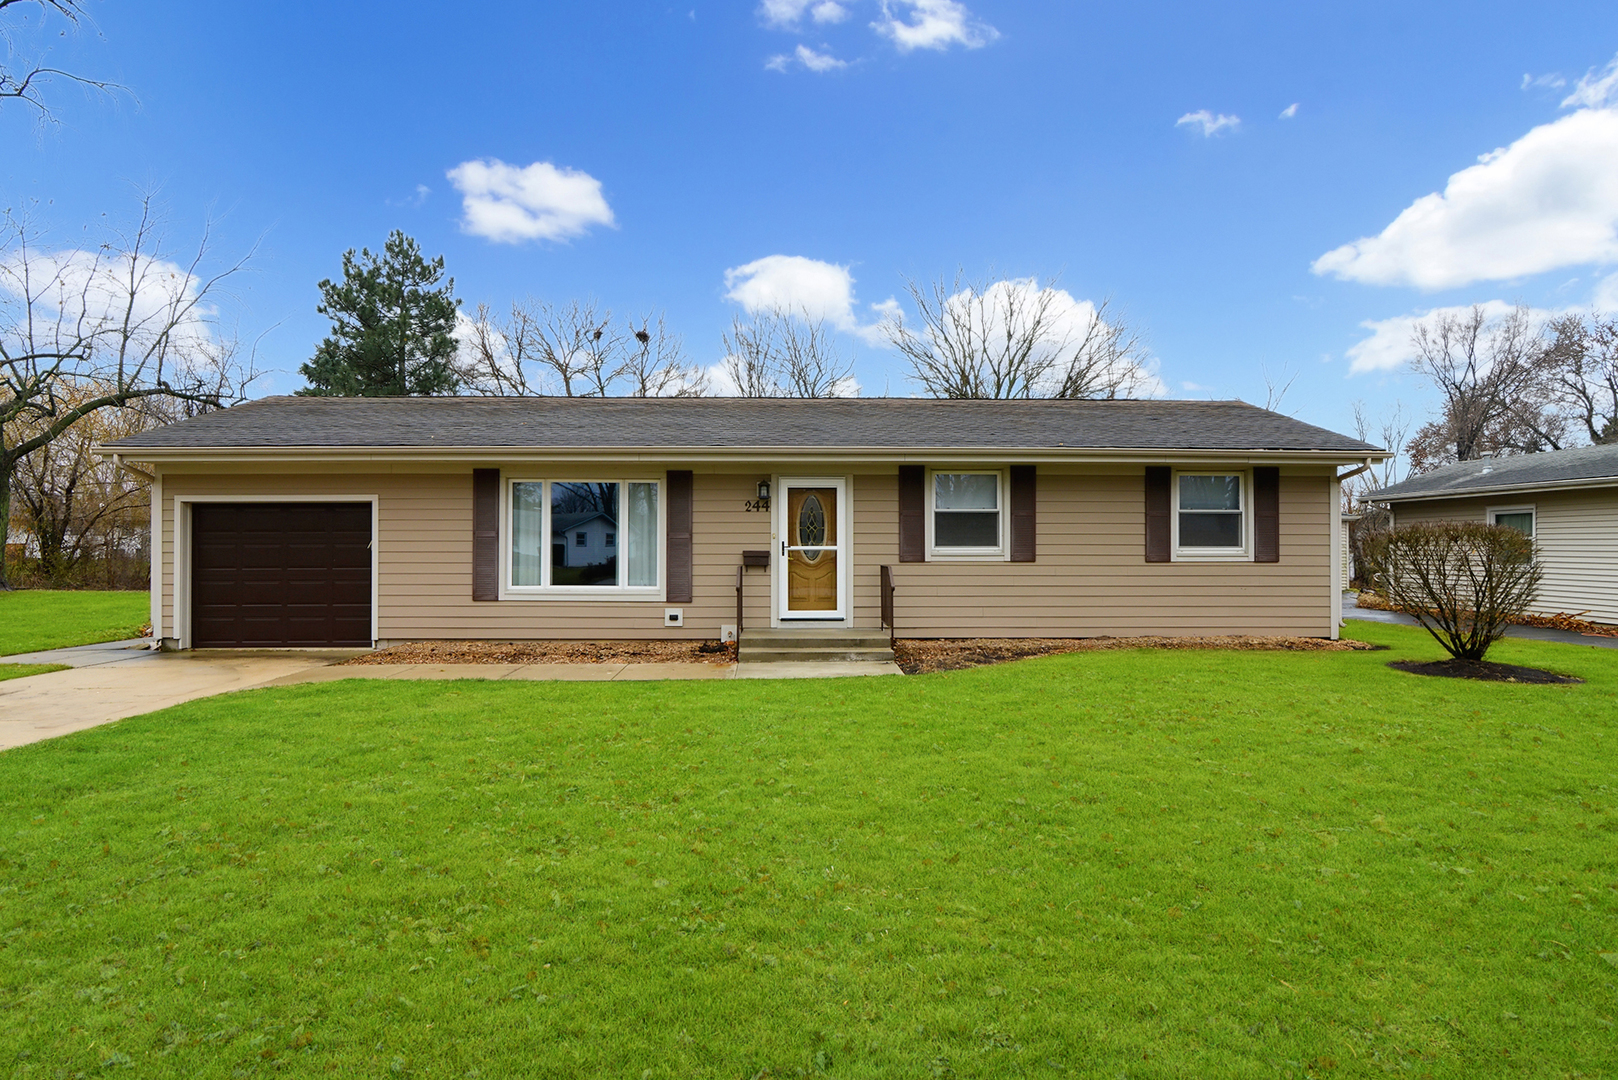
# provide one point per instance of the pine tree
(392, 326)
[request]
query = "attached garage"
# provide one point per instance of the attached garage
(280, 574)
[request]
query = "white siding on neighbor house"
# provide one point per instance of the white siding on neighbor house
(1575, 533)
(1090, 577)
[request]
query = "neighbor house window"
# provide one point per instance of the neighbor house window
(965, 517)
(1520, 518)
(564, 535)
(1210, 519)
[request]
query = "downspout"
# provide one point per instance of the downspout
(119, 462)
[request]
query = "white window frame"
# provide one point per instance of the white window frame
(509, 591)
(1490, 513)
(1208, 554)
(1001, 551)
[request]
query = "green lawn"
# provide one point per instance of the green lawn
(35, 619)
(17, 671)
(1143, 864)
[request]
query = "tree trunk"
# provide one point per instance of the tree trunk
(5, 523)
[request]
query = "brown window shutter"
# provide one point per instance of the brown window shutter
(912, 513)
(679, 537)
(1159, 496)
(1266, 514)
(1024, 495)
(485, 534)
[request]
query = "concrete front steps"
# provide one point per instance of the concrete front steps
(814, 645)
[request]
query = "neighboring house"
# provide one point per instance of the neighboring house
(1567, 500)
(310, 521)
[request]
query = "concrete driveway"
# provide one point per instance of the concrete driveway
(123, 678)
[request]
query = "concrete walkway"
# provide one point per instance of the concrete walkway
(118, 679)
(1352, 610)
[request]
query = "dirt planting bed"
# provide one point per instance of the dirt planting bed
(552, 652)
(952, 654)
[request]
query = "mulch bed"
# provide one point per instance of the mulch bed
(952, 654)
(1484, 670)
(552, 652)
(1375, 602)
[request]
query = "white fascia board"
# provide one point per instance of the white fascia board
(795, 456)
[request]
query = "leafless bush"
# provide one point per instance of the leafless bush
(1464, 581)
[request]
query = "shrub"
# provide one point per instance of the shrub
(1464, 581)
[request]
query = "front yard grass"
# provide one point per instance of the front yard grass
(18, 671)
(1152, 864)
(35, 619)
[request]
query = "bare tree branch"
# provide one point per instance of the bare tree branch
(122, 320)
(780, 352)
(573, 350)
(1015, 339)
(22, 80)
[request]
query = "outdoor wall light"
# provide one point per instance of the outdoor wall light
(764, 492)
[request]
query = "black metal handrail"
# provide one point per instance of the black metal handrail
(887, 604)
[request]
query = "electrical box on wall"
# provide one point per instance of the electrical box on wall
(727, 632)
(674, 616)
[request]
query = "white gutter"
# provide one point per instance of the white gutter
(119, 462)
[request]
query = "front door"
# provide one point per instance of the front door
(811, 540)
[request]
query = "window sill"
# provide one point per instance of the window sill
(1212, 556)
(966, 556)
(609, 595)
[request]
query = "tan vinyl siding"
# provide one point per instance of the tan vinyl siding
(1090, 577)
(1575, 532)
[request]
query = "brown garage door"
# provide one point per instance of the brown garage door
(276, 575)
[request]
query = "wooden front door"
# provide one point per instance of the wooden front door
(810, 532)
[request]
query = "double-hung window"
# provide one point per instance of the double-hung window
(1520, 518)
(966, 516)
(1211, 516)
(583, 537)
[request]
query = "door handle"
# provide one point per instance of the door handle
(783, 549)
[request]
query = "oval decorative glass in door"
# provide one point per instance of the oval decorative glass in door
(811, 526)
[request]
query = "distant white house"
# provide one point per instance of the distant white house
(1567, 500)
(588, 538)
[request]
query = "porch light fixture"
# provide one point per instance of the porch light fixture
(764, 492)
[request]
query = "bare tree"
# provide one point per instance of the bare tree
(1583, 372)
(1011, 338)
(783, 353)
(121, 318)
(655, 366)
(1275, 390)
(1491, 375)
(22, 80)
(573, 350)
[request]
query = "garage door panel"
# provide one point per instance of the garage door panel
(281, 574)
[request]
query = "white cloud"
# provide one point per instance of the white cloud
(932, 24)
(1389, 349)
(814, 61)
(1552, 81)
(92, 293)
(1596, 90)
(510, 204)
(1548, 200)
(788, 13)
(1209, 124)
(1605, 299)
(818, 290)
(1289, 112)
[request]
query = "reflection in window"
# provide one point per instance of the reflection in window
(1211, 511)
(600, 534)
(966, 510)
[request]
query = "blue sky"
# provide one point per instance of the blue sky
(646, 150)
